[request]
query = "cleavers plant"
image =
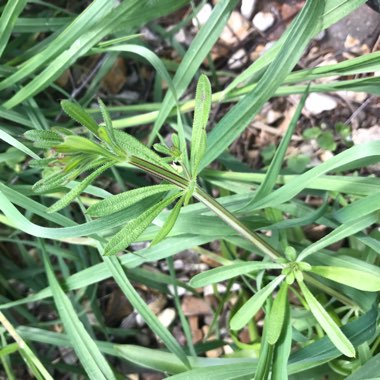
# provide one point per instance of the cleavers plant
(71, 155)
(317, 297)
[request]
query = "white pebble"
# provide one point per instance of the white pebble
(167, 316)
(318, 103)
(238, 59)
(247, 7)
(203, 15)
(263, 21)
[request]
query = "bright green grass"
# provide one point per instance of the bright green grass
(59, 235)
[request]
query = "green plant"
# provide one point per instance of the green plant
(315, 289)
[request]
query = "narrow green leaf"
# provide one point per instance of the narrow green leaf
(327, 323)
(275, 166)
(133, 229)
(151, 57)
(237, 119)
(356, 156)
(253, 305)
(351, 277)
(52, 181)
(226, 272)
(120, 201)
(8, 19)
(107, 121)
(334, 10)
(79, 114)
(86, 19)
(88, 352)
(201, 114)
(169, 222)
(17, 144)
(277, 314)
(369, 370)
(282, 349)
(78, 189)
(194, 57)
(341, 232)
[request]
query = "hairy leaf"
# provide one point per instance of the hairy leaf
(120, 201)
(133, 229)
(79, 114)
(201, 114)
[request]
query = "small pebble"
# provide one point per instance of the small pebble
(238, 59)
(167, 316)
(247, 7)
(263, 21)
(318, 103)
(202, 16)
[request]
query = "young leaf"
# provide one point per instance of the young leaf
(108, 129)
(201, 114)
(327, 323)
(277, 314)
(229, 271)
(351, 277)
(87, 350)
(75, 191)
(52, 181)
(169, 223)
(79, 114)
(134, 229)
(79, 144)
(120, 201)
(134, 147)
(43, 139)
(252, 306)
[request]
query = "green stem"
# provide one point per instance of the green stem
(235, 223)
(208, 201)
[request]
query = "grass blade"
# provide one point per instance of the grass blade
(358, 155)
(229, 271)
(17, 144)
(237, 119)
(88, 352)
(195, 55)
(275, 166)
(8, 19)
